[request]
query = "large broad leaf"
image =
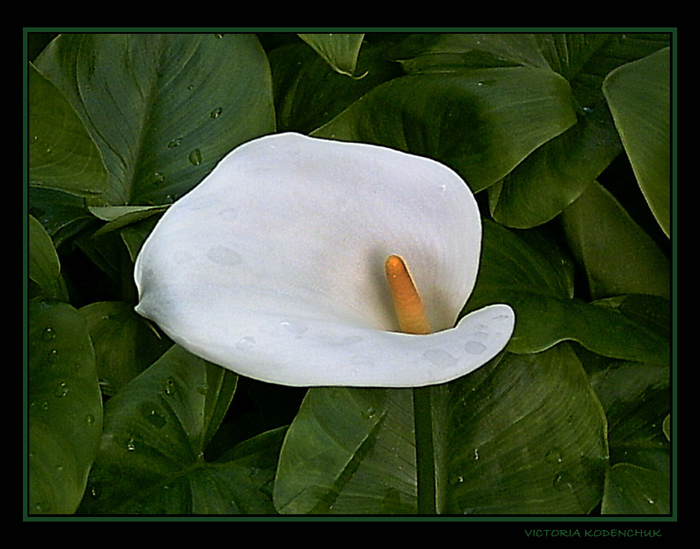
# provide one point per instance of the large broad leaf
(531, 276)
(339, 50)
(562, 170)
(639, 95)
(636, 398)
(124, 343)
(618, 256)
(529, 437)
(151, 458)
(349, 451)
(65, 407)
(525, 435)
(558, 172)
(62, 155)
(162, 108)
(482, 124)
(44, 265)
(309, 93)
(633, 490)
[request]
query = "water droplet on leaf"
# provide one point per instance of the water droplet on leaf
(169, 386)
(196, 157)
(62, 390)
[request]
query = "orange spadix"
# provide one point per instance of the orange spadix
(407, 302)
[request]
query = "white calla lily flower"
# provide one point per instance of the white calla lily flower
(274, 267)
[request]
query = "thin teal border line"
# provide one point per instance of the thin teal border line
(672, 517)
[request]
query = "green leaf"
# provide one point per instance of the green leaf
(639, 97)
(633, 490)
(339, 50)
(125, 345)
(123, 216)
(62, 155)
(309, 93)
(482, 124)
(555, 174)
(65, 407)
(44, 266)
(151, 458)
(618, 256)
(528, 436)
(349, 451)
(162, 108)
(532, 279)
(636, 398)
(525, 435)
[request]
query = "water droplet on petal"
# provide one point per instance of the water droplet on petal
(245, 343)
(439, 358)
(224, 256)
(474, 347)
(294, 327)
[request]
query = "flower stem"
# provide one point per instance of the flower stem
(425, 454)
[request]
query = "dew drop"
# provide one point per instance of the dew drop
(62, 390)
(169, 386)
(90, 419)
(476, 454)
(369, 413)
(175, 143)
(293, 327)
(554, 456)
(224, 256)
(130, 445)
(154, 418)
(95, 490)
(49, 334)
(203, 389)
(562, 483)
(245, 343)
(196, 157)
(440, 358)
(216, 112)
(474, 347)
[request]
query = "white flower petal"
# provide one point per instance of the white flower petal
(273, 266)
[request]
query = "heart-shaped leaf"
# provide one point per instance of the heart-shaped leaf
(482, 124)
(338, 49)
(162, 108)
(62, 155)
(639, 95)
(65, 407)
(151, 458)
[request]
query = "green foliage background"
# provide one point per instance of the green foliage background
(564, 138)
